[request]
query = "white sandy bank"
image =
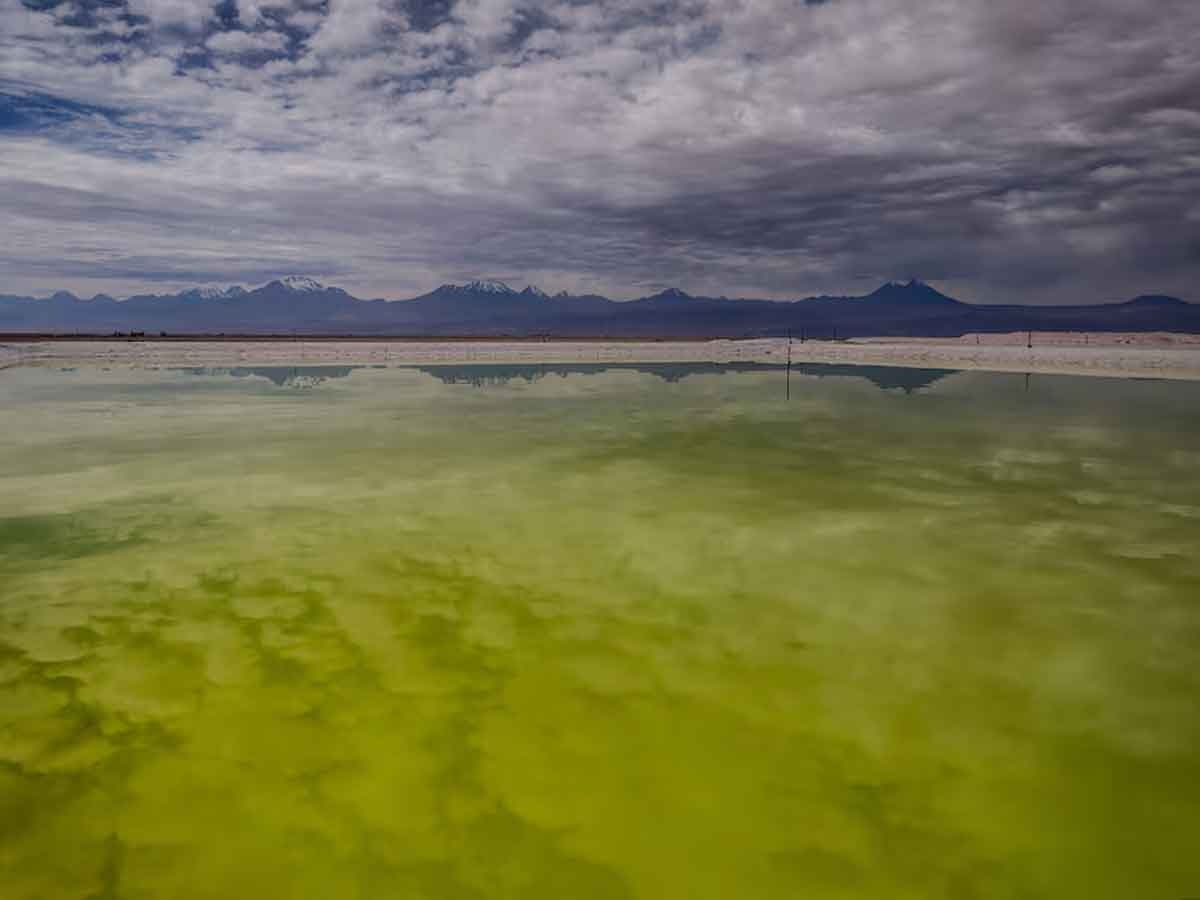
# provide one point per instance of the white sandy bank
(1129, 355)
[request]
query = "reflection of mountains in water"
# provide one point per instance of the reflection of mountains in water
(482, 374)
(295, 377)
(488, 374)
(883, 377)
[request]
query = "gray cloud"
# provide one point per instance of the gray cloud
(1034, 151)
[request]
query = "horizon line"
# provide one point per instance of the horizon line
(490, 285)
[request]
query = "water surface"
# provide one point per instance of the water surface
(609, 631)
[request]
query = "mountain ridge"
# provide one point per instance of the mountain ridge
(302, 304)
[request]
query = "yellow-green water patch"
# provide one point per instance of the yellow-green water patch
(397, 633)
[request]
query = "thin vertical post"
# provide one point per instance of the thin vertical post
(788, 377)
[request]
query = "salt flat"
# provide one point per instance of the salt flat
(1157, 355)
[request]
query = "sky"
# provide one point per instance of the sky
(1032, 151)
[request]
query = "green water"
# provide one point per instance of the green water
(373, 633)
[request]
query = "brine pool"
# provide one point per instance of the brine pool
(598, 632)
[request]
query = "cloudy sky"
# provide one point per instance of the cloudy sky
(1006, 150)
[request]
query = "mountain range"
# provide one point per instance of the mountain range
(300, 305)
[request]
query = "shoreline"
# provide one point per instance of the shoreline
(1120, 355)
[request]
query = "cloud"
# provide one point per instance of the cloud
(1021, 151)
(189, 14)
(247, 42)
(356, 25)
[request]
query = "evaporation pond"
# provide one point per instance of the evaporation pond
(598, 632)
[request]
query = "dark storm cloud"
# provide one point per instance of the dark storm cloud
(1025, 151)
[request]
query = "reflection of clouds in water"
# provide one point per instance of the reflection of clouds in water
(301, 715)
(544, 647)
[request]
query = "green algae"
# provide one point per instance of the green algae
(397, 633)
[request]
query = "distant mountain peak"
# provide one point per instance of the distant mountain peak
(301, 283)
(214, 292)
(535, 291)
(671, 293)
(912, 291)
(484, 286)
(1155, 300)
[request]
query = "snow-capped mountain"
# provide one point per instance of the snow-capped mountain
(301, 283)
(535, 291)
(214, 292)
(671, 296)
(484, 286)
